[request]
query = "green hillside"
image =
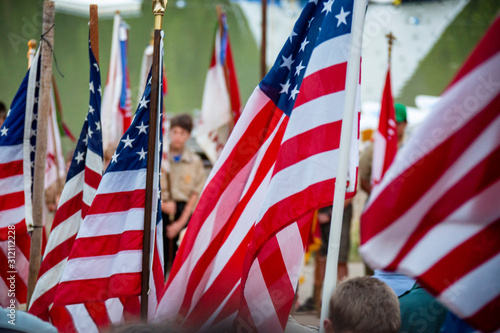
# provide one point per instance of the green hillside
(189, 36)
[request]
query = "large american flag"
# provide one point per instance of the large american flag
(83, 178)
(436, 215)
(105, 261)
(17, 156)
(239, 261)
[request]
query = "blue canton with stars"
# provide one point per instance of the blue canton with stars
(12, 130)
(132, 150)
(319, 21)
(91, 134)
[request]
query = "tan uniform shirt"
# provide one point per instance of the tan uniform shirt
(365, 163)
(187, 177)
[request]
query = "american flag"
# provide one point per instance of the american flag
(221, 104)
(116, 101)
(242, 251)
(17, 156)
(435, 215)
(83, 178)
(385, 144)
(105, 261)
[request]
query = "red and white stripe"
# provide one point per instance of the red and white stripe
(77, 195)
(435, 215)
(243, 242)
(12, 212)
(106, 258)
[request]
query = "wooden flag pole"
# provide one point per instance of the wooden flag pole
(158, 11)
(350, 114)
(41, 145)
(94, 31)
(263, 44)
(390, 40)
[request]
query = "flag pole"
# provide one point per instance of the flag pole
(263, 44)
(41, 145)
(158, 11)
(94, 30)
(390, 40)
(350, 114)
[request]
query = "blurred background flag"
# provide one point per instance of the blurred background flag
(116, 101)
(221, 98)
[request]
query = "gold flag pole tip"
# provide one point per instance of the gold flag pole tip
(158, 11)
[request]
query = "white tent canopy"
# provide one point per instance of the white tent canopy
(107, 8)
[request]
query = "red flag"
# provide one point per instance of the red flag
(386, 139)
(435, 215)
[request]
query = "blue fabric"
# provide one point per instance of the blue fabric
(453, 324)
(177, 158)
(400, 283)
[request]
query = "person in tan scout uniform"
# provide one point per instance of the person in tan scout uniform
(182, 186)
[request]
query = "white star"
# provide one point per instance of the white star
(97, 126)
(287, 62)
(33, 132)
(86, 140)
(128, 142)
(114, 157)
(142, 128)
(79, 157)
(91, 86)
(142, 154)
(303, 45)
(341, 17)
(149, 81)
(91, 109)
(32, 148)
(4, 131)
(285, 87)
(143, 103)
(292, 34)
(99, 90)
(310, 21)
(299, 68)
(315, 1)
(294, 92)
(8, 112)
(90, 132)
(96, 66)
(36, 100)
(327, 7)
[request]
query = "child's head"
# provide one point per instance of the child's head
(3, 113)
(363, 305)
(180, 131)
